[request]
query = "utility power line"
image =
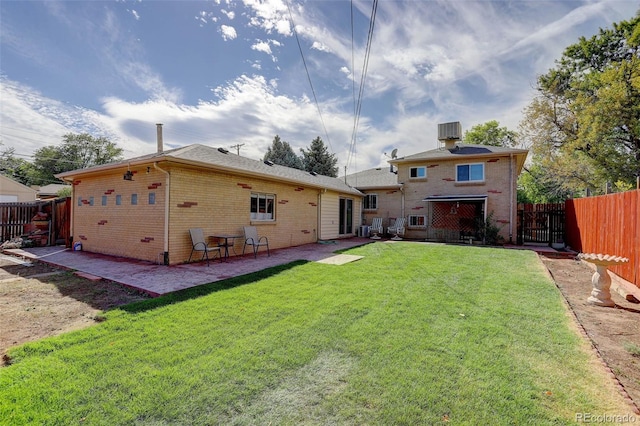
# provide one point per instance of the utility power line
(365, 66)
(309, 76)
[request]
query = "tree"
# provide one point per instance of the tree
(318, 159)
(537, 185)
(17, 169)
(584, 125)
(280, 152)
(490, 133)
(77, 151)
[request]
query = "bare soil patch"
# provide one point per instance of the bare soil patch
(38, 300)
(614, 332)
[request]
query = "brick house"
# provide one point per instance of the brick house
(142, 208)
(446, 193)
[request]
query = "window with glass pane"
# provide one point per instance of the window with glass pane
(417, 221)
(418, 172)
(370, 202)
(470, 172)
(262, 206)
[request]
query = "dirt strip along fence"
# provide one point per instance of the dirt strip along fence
(608, 224)
(16, 219)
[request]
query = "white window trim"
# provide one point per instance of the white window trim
(418, 177)
(424, 220)
(370, 208)
(263, 216)
(470, 180)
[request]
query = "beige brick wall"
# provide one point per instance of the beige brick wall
(223, 206)
(219, 203)
(440, 180)
(126, 230)
(389, 206)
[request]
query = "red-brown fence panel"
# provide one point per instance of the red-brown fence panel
(16, 219)
(608, 224)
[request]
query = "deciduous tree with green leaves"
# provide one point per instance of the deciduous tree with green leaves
(490, 133)
(280, 152)
(584, 126)
(319, 160)
(77, 151)
(16, 168)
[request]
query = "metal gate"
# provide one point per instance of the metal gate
(541, 223)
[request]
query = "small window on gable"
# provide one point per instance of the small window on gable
(79, 201)
(152, 198)
(370, 202)
(470, 172)
(118, 200)
(104, 200)
(418, 172)
(134, 199)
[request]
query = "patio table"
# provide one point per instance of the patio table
(226, 241)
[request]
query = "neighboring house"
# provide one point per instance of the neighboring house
(143, 207)
(382, 194)
(446, 194)
(50, 191)
(14, 192)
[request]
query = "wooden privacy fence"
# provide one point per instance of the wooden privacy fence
(608, 224)
(16, 219)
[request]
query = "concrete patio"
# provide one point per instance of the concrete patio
(156, 280)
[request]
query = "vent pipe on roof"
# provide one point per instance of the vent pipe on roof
(159, 137)
(450, 144)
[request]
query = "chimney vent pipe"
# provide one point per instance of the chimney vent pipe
(159, 137)
(449, 144)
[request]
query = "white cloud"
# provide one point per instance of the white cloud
(228, 33)
(204, 17)
(262, 46)
(135, 15)
(29, 121)
(271, 16)
(229, 13)
(320, 46)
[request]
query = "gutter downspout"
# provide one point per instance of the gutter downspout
(165, 246)
(319, 215)
(72, 212)
(511, 198)
(402, 199)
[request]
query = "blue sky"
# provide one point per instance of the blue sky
(229, 72)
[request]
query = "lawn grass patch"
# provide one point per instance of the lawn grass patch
(410, 334)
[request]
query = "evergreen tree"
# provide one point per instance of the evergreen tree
(318, 159)
(280, 152)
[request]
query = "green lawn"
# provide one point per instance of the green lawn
(411, 334)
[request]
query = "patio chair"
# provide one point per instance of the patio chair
(252, 239)
(376, 228)
(397, 228)
(199, 244)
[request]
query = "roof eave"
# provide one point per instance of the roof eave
(71, 175)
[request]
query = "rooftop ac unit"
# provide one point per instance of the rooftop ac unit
(449, 131)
